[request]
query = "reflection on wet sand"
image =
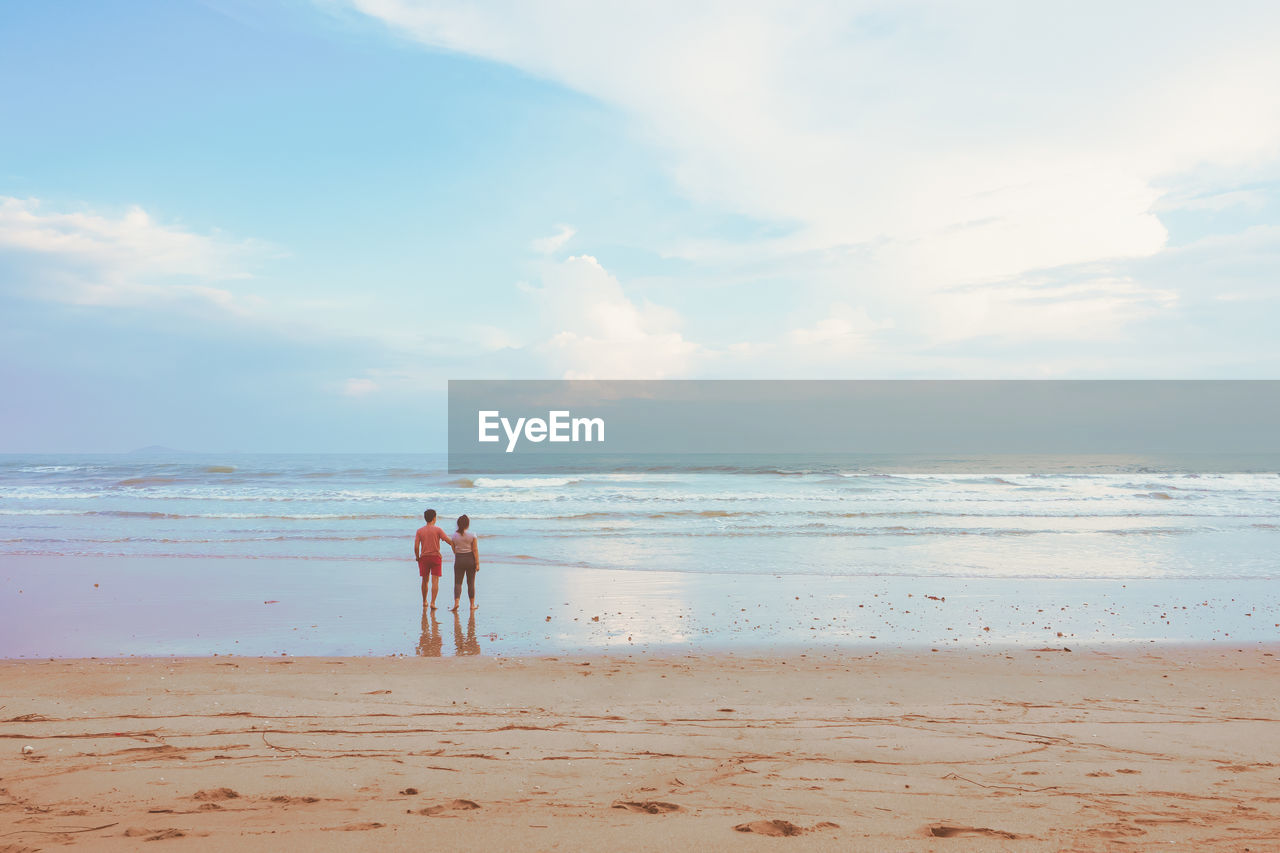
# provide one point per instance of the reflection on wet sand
(431, 643)
(465, 644)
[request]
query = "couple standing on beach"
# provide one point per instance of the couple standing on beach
(466, 559)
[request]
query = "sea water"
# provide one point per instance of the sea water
(723, 527)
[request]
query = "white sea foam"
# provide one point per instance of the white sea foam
(988, 521)
(523, 482)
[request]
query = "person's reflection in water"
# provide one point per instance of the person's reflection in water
(466, 644)
(431, 643)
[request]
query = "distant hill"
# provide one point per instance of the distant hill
(154, 450)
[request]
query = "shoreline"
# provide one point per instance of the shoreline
(1112, 649)
(77, 607)
(892, 749)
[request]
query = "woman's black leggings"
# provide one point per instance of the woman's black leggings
(464, 565)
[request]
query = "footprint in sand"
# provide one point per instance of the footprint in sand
(647, 807)
(214, 794)
(943, 830)
(775, 828)
(166, 834)
(353, 827)
(1117, 830)
(153, 834)
(781, 828)
(452, 805)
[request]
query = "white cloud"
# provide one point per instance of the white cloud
(843, 331)
(1090, 308)
(930, 162)
(1214, 201)
(1237, 267)
(992, 137)
(551, 245)
(359, 387)
(90, 258)
(598, 332)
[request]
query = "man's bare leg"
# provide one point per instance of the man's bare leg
(435, 590)
(425, 583)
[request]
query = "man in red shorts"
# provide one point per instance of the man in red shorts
(426, 550)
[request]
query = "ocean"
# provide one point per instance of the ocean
(718, 523)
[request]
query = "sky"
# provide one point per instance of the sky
(242, 225)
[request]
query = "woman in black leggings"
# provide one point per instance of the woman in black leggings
(466, 562)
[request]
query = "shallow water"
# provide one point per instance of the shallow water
(84, 607)
(186, 549)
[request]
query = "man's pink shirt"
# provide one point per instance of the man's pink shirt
(430, 535)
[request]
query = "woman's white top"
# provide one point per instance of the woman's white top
(462, 542)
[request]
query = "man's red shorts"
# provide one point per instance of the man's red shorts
(429, 564)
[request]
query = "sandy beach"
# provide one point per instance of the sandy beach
(1017, 749)
(433, 425)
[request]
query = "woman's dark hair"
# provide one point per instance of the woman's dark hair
(463, 523)
(429, 516)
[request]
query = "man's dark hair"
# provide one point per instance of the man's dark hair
(429, 516)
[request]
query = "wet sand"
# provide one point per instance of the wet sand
(1166, 747)
(121, 606)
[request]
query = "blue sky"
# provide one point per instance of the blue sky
(240, 225)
